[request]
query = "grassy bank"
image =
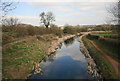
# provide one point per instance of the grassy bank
(108, 45)
(19, 57)
(110, 51)
(102, 64)
(24, 45)
(102, 35)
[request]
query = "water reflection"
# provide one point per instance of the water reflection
(51, 57)
(69, 42)
(67, 63)
(64, 68)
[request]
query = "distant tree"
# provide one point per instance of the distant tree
(10, 21)
(47, 18)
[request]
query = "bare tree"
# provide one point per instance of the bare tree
(10, 21)
(47, 18)
(114, 11)
(5, 7)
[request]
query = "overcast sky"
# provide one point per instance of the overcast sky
(73, 12)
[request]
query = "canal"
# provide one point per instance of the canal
(68, 62)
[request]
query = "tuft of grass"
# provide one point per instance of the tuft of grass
(102, 64)
(6, 42)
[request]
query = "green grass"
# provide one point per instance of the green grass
(102, 64)
(18, 58)
(102, 35)
(110, 50)
(6, 42)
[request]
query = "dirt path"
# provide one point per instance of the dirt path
(114, 63)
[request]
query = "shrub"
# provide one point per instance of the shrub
(90, 36)
(8, 28)
(69, 30)
(6, 37)
(31, 30)
(41, 30)
(56, 30)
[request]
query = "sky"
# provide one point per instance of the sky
(72, 12)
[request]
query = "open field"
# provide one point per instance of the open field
(19, 57)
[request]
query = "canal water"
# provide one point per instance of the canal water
(66, 63)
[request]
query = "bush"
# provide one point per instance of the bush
(74, 29)
(22, 30)
(56, 30)
(6, 36)
(31, 31)
(69, 30)
(41, 30)
(90, 36)
(8, 28)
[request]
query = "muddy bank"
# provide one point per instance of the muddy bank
(52, 48)
(91, 64)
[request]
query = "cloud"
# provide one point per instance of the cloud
(44, 4)
(84, 13)
(75, 56)
(27, 19)
(71, 12)
(65, 0)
